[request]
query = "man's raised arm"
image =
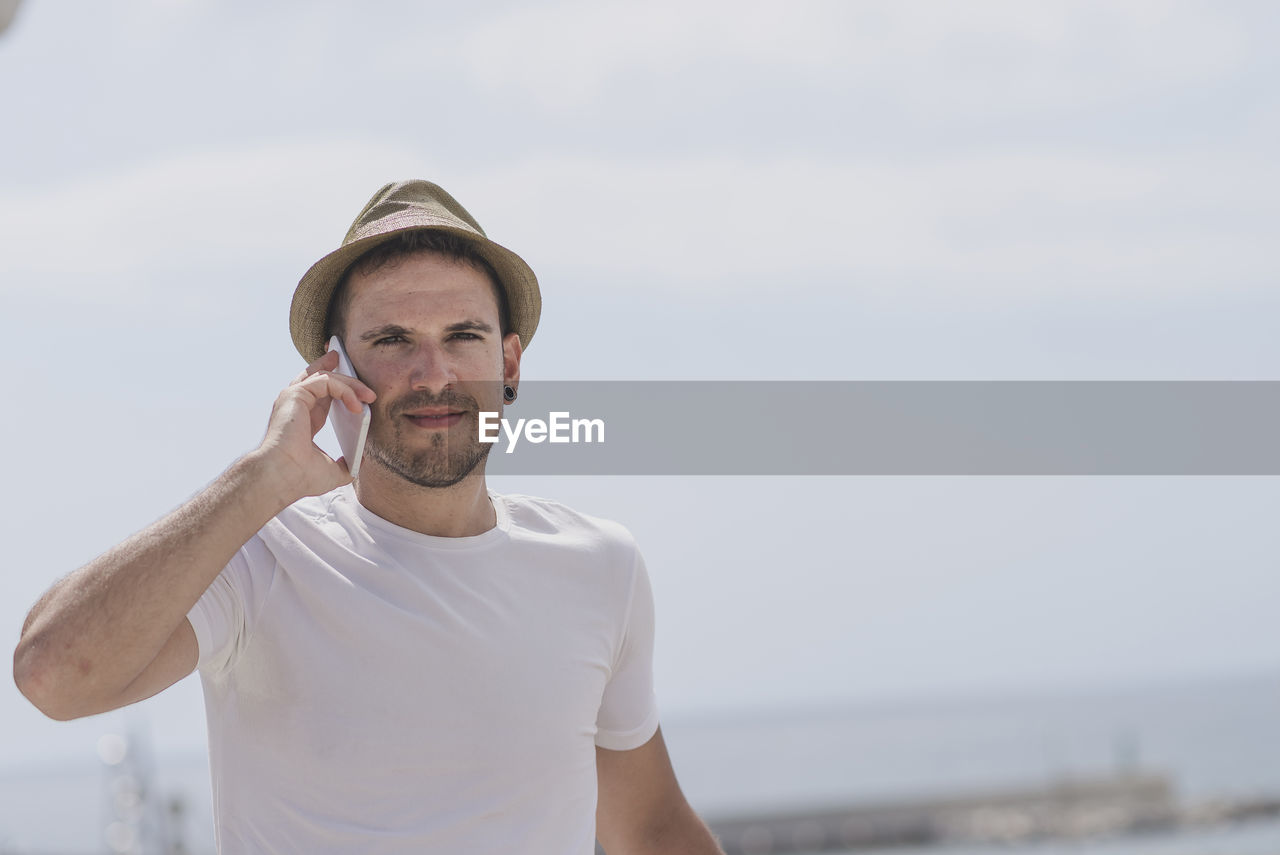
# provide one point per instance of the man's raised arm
(115, 631)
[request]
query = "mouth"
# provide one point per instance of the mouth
(435, 418)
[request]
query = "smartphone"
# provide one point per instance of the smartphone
(351, 428)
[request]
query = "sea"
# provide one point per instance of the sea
(1216, 740)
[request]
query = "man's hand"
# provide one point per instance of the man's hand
(115, 631)
(300, 410)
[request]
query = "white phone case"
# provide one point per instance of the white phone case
(351, 428)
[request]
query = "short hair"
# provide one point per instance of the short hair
(415, 242)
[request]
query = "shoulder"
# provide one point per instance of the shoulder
(546, 518)
(332, 515)
(326, 506)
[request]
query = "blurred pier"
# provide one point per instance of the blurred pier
(1078, 808)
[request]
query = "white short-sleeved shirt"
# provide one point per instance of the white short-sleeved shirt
(371, 689)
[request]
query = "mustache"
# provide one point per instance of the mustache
(449, 398)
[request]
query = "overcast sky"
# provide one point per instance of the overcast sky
(707, 190)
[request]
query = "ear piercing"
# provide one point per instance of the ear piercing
(508, 394)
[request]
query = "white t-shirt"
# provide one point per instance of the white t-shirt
(371, 689)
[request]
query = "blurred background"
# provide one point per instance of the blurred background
(708, 191)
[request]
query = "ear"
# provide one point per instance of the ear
(511, 353)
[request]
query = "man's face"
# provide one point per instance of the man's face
(424, 334)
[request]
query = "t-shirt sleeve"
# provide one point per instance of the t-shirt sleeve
(224, 616)
(628, 715)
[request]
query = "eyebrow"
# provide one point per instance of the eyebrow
(385, 329)
(460, 326)
(397, 329)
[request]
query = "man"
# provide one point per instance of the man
(406, 662)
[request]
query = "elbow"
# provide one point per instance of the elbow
(42, 684)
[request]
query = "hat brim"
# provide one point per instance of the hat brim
(308, 314)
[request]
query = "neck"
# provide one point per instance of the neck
(462, 510)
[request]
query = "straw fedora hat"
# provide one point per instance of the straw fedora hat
(401, 207)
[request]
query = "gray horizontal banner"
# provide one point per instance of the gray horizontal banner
(890, 428)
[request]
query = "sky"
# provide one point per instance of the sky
(707, 191)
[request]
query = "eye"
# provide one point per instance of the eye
(466, 336)
(390, 339)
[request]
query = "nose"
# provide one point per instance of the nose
(432, 369)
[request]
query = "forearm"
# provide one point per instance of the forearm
(97, 629)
